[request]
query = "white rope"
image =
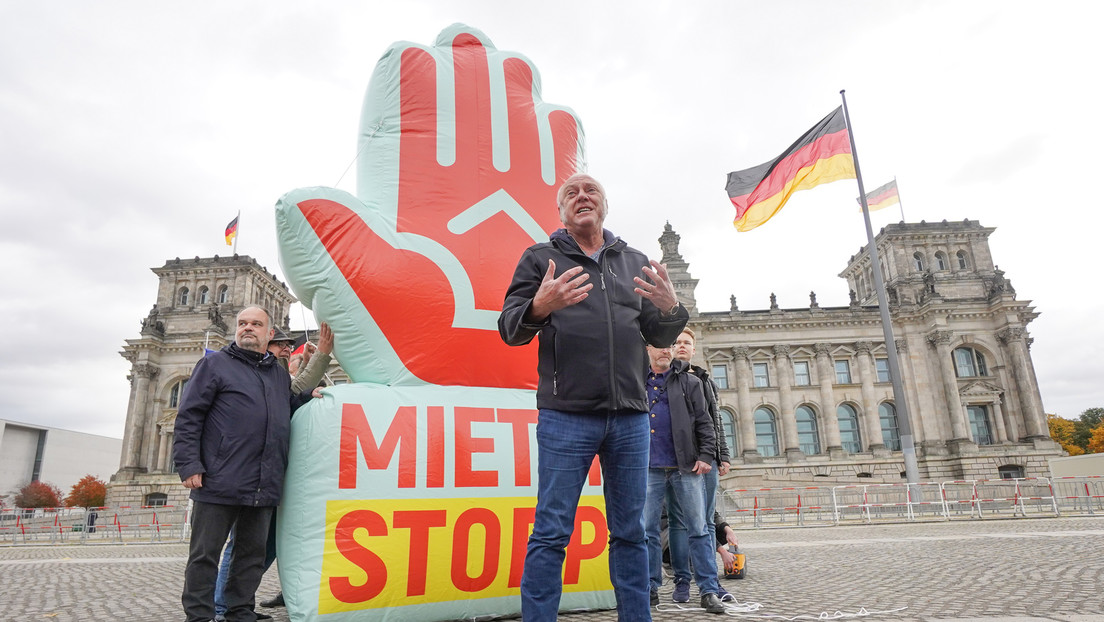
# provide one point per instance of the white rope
(742, 610)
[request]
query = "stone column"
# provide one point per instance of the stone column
(867, 373)
(141, 374)
(745, 418)
(784, 374)
(998, 422)
(163, 444)
(941, 341)
(826, 376)
(1030, 404)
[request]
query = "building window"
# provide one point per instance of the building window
(881, 366)
(728, 422)
(962, 263)
(1011, 471)
(759, 375)
(156, 500)
(849, 428)
(720, 376)
(843, 372)
(801, 373)
(807, 437)
(176, 393)
(203, 295)
(891, 433)
(918, 262)
(940, 261)
(183, 297)
(969, 362)
(979, 424)
(223, 294)
(766, 433)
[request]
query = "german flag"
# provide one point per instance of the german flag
(882, 197)
(820, 156)
(232, 231)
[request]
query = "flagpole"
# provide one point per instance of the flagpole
(908, 448)
(237, 232)
(899, 203)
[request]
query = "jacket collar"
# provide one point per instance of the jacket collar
(249, 356)
(562, 239)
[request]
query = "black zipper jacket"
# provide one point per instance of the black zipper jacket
(591, 355)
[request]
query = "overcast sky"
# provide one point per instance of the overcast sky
(132, 132)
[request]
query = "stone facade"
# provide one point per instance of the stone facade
(806, 394)
(197, 301)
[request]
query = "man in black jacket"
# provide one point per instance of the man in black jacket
(594, 301)
(232, 434)
(683, 447)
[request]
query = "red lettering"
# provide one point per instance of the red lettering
(520, 420)
(419, 523)
(595, 475)
(461, 540)
(466, 445)
(523, 522)
(376, 570)
(577, 550)
(402, 433)
(435, 440)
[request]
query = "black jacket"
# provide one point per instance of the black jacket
(691, 425)
(710, 389)
(234, 426)
(591, 355)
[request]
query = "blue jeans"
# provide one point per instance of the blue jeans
(224, 566)
(677, 540)
(566, 446)
(686, 489)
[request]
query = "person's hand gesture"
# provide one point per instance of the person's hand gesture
(458, 167)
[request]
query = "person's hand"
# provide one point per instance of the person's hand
(723, 467)
(457, 175)
(557, 292)
(702, 468)
(325, 338)
(316, 393)
(194, 481)
(730, 536)
(727, 558)
(658, 288)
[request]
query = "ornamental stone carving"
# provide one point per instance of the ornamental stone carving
(1010, 334)
(781, 350)
(901, 345)
(864, 347)
(823, 348)
(940, 337)
(145, 370)
(741, 352)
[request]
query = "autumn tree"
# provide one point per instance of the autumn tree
(38, 495)
(1090, 420)
(1096, 441)
(89, 492)
(1063, 431)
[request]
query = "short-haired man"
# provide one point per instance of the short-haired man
(679, 544)
(585, 293)
(682, 447)
(232, 435)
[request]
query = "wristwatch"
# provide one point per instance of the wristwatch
(673, 310)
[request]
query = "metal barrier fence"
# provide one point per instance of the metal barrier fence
(925, 501)
(80, 525)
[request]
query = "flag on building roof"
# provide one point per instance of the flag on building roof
(232, 231)
(820, 156)
(883, 196)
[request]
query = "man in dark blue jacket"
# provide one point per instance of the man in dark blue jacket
(232, 434)
(594, 301)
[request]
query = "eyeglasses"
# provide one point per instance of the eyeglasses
(282, 344)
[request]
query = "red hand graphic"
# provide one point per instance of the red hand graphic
(472, 192)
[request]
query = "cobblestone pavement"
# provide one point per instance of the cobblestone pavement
(1008, 570)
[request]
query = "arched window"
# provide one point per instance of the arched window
(891, 433)
(223, 294)
(940, 261)
(979, 424)
(183, 297)
(156, 500)
(766, 432)
(969, 362)
(204, 294)
(962, 263)
(849, 428)
(807, 437)
(918, 262)
(176, 392)
(728, 422)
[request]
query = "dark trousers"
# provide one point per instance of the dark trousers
(211, 524)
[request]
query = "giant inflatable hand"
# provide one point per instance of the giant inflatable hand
(458, 165)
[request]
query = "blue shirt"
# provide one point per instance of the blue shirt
(662, 448)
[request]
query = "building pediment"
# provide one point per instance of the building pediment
(980, 388)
